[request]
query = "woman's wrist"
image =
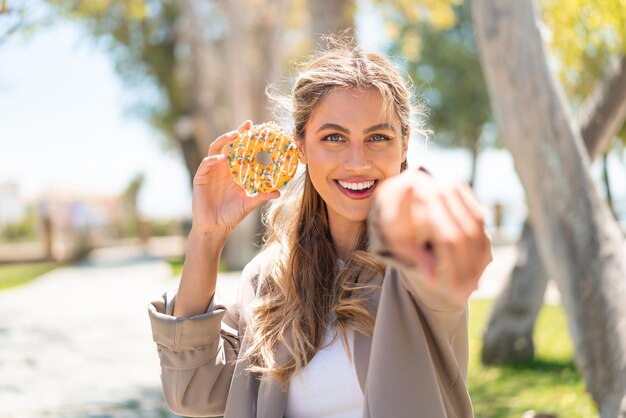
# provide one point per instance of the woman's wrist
(211, 239)
(199, 275)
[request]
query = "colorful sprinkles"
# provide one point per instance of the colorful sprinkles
(253, 176)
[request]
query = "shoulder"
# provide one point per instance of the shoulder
(262, 262)
(254, 273)
(252, 279)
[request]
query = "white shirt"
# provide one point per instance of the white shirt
(328, 386)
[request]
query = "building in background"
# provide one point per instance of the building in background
(12, 205)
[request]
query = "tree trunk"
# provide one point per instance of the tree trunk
(199, 71)
(239, 248)
(603, 113)
(191, 155)
(474, 151)
(255, 60)
(607, 183)
(194, 130)
(239, 80)
(515, 320)
(509, 334)
(579, 241)
(329, 17)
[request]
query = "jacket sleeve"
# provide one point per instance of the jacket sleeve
(198, 354)
(420, 339)
(448, 322)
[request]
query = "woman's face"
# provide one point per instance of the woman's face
(350, 146)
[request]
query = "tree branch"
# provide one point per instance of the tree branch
(603, 112)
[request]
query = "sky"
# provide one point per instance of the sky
(65, 126)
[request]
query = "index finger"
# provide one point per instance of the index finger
(218, 145)
(245, 126)
(225, 139)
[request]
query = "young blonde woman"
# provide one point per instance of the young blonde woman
(357, 304)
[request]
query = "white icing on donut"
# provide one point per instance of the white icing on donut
(280, 165)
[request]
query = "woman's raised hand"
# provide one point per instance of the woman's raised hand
(219, 204)
(436, 227)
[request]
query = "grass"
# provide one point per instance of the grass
(12, 275)
(177, 266)
(550, 383)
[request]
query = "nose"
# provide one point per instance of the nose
(357, 159)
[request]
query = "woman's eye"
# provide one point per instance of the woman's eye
(333, 138)
(379, 138)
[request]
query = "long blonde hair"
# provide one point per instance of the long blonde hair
(304, 287)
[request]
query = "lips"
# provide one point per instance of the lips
(357, 189)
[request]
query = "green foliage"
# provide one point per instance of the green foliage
(129, 9)
(141, 36)
(24, 230)
(12, 275)
(447, 68)
(583, 36)
(128, 228)
(19, 18)
(131, 192)
(162, 228)
(135, 185)
(439, 13)
(550, 383)
(177, 264)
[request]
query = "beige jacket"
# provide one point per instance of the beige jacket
(414, 365)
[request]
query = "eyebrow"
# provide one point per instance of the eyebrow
(379, 127)
(334, 126)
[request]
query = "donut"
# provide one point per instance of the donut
(263, 158)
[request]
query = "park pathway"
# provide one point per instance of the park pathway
(77, 343)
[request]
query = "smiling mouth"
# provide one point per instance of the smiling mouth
(357, 190)
(362, 185)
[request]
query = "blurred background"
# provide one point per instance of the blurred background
(106, 109)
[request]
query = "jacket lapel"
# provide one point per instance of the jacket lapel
(363, 343)
(272, 398)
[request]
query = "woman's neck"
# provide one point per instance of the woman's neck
(344, 235)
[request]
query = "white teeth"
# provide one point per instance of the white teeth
(357, 186)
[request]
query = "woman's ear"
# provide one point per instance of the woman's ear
(300, 144)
